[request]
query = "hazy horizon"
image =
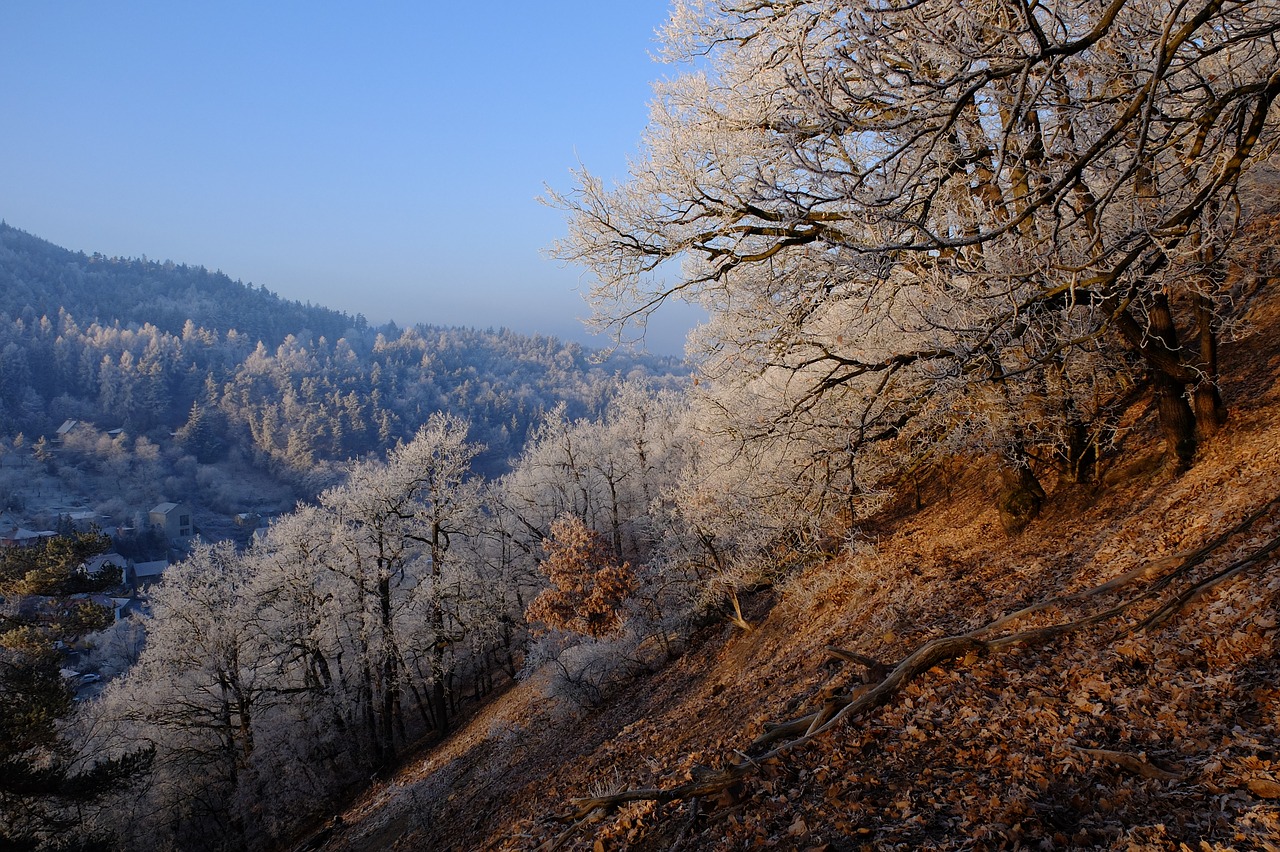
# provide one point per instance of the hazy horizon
(385, 162)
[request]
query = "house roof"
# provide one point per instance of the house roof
(67, 426)
(150, 569)
(164, 508)
(23, 535)
(95, 597)
(128, 606)
(94, 563)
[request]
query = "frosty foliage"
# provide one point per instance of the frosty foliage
(585, 673)
(939, 227)
(921, 230)
(272, 679)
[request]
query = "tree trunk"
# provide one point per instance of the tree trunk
(1021, 495)
(439, 692)
(1171, 371)
(1210, 412)
(370, 712)
(420, 701)
(390, 709)
(1177, 420)
(1080, 454)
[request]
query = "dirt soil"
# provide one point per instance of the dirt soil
(1106, 737)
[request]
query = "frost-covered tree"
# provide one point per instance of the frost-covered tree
(606, 470)
(941, 224)
(396, 523)
(196, 693)
(274, 677)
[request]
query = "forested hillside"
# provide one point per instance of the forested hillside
(1107, 679)
(156, 347)
(40, 279)
(974, 271)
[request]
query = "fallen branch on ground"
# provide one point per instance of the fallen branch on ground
(863, 699)
(1132, 763)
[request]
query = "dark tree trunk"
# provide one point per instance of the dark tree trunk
(1172, 370)
(439, 687)
(509, 659)
(420, 701)
(390, 710)
(1021, 494)
(1080, 454)
(1210, 412)
(439, 691)
(1177, 420)
(370, 712)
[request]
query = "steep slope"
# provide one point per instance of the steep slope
(1105, 736)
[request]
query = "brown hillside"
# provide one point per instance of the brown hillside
(1104, 737)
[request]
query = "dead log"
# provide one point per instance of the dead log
(713, 782)
(875, 670)
(1186, 596)
(921, 660)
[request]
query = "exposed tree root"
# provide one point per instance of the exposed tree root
(888, 682)
(876, 670)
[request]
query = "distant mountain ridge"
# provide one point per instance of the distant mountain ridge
(37, 278)
(164, 348)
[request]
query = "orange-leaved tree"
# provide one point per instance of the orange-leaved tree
(588, 585)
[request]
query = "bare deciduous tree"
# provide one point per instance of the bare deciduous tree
(954, 222)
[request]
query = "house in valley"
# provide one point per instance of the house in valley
(174, 520)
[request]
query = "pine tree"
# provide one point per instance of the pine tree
(42, 783)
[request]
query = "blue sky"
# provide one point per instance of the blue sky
(380, 158)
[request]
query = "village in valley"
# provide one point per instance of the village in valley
(44, 503)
